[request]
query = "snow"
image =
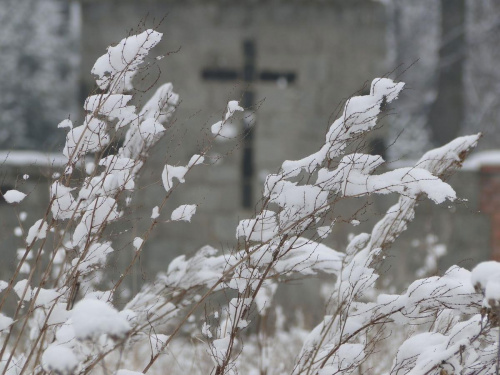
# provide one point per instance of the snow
(485, 277)
(481, 159)
(92, 318)
(37, 231)
(170, 172)
(359, 116)
(113, 106)
(128, 372)
(101, 210)
(451, 152)
(184, 212)
(5, 322)
(59, 359)
(25, 268)
(89, 167)
(162, 104)
(95, 257)
(204, 268)
(262, 228)
(217, 127)
(150, 131)
(224, 128)
(352, 178)
(158, 110)
(63, 205)
(65, 124)
(66, 333)
(484, 272)
(116, 69)
(492, 294)
(232, 107)
(89, 137)
(101, 296)
(220, 348)
(138, 243)
(20, 287)
(13, 196)
(205, 330)
(324, 231)
(295, 200)
(195, 160)
(44, 297)
(308, 258)
(121, 170)
(155, 213)
(228, 131)
(265, 295)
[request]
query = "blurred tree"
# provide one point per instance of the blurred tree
(38, 77)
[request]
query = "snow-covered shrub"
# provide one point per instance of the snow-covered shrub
(64, 321)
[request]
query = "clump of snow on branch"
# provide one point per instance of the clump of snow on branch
(184, 212)
(13, 196)
(92, 318)
(116, 69)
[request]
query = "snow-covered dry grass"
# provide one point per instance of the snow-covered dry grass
(60, 319)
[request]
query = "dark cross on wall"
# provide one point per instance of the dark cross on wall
(248, 75)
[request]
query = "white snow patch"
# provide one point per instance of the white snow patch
(195, 160)
(65, 124)
(14, 196)
(93, 318)
(138, 241)
(155, 213)
(184, 212)
(38, 231)
(116, 69)
(480, 159)
(59, 359)
(232, 107)
(128, 372)
(23, 158)
(170, 172)
(5, 322)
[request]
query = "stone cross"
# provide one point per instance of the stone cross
(249, 75)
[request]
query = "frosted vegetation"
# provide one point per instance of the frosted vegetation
(40, 65)
(56, 316)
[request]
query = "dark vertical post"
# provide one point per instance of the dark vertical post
(247, 169)
(447, 112)
(490, 204)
